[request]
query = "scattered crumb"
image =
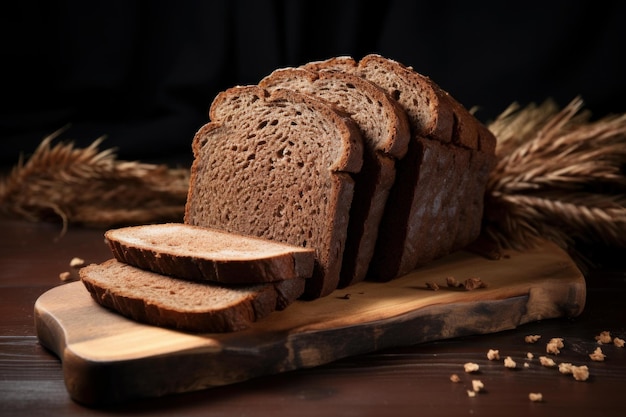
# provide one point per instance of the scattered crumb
(493, 354)
(471, 367)
(597, 355)
(471, 393)
(535, 397)
(65, 276)
(477, 385)
(547, 362)
(533, 338)
(432, 286)
(580, 373)
(474, 283)
(530, 355)
(604, 337)
(565, 368)
(455, 378)
(526, 365)
(555, 345)
(346, 296)
(509, 362)
(77, 262)
(618, 342)
(452, 282)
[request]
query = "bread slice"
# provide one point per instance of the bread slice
(203, 254)
(385, 131)
(436, 203)
(164, 301)
(278, 166)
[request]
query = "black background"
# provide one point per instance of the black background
(144, 73)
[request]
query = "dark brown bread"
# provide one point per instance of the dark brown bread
(203, 254)
(278, 166)
(385, 131)
(436, 203)
(164, 301)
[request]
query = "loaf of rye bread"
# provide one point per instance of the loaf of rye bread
(435, 206)
(164, 301)
(203, 254)
(279, 166)
(385, 131)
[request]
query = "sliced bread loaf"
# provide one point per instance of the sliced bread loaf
(436, 203)
(385, 131)
(203, 254)
(278, 166)
(164, 301)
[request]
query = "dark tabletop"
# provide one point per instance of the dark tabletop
(407, 381)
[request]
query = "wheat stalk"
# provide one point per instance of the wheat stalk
(558, 176)
(91, 187)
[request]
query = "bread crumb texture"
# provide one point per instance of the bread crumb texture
(509, 363)
(535, 397)
(477, 385)
(547, 362)
(555, 345)
(471, 367)
(493, 354)
(604, 337)
(455, 378)
(532, 338)
(597, 355)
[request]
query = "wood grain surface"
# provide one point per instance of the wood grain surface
(107, 358)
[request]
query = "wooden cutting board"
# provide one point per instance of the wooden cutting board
(107, 358)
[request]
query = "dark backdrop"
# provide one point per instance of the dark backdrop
(143, 73)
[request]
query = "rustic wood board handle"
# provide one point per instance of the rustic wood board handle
(107, 358)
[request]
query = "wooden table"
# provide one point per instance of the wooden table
(412, 380)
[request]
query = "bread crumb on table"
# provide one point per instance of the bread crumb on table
(604, 337)
(532, 338)
(455, 378)
(535, 397)
(565, 368)
(555, 345)
(493, 354)
(509, 362)
(65, 276)
(529, 355)
(432, 286)
(77, 262)
(477, 385)
(471, 367)
(547, 362)
(580, 373)
(471, 393)
(597, 355)
(619, 342)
